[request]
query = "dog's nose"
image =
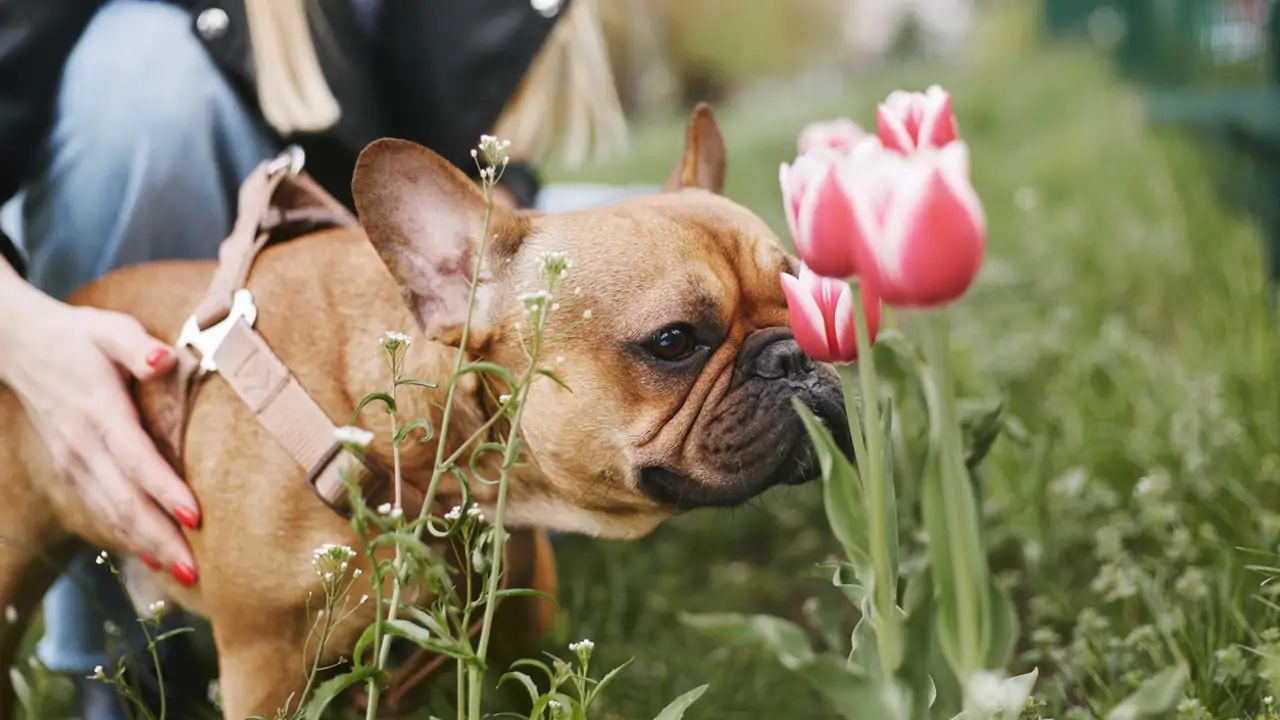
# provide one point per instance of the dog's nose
(782, 359)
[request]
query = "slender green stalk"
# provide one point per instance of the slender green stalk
(383, 641)
(875, 486)
(959, 499)
(499, 530)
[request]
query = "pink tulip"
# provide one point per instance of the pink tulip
(818, 213)
(821, 312)
(910, 121)
(920, 227)
(840, 135)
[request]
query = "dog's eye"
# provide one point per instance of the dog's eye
(672, 343)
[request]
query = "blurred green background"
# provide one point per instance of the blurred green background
(1121, 312)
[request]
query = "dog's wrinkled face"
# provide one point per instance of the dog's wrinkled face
(682, 378)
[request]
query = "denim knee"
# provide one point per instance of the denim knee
(148, 145)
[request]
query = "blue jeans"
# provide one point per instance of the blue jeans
(148, 148)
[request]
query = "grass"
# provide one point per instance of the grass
(1120, 313)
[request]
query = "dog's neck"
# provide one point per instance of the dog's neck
(362, 302)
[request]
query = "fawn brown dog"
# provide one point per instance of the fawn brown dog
(681, 383)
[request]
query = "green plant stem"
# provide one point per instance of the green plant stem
(155, 660)
(383, 641)
(959, 502)
(884, 595)
(499, 531)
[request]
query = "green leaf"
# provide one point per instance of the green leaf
(525, 680)
(555, 378)
(426, 620)
(416, 383)
(421, 637)
(864, 656)
(852, 696)
(329, 690)
(524, 592)
(675, 711)
(853, 591)
(842, 495)
(176, 631)
(384, 398)
(479, 452)
(918, 602)
(604, 681)
(1155, 696)
(786, 639)
(363, 644)
(482, 366)
(413, 425)
(1000, 630)
(980, 424)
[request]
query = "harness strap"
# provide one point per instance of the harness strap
(276, 201)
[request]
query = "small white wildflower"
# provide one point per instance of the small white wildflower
(553, 704)
(364, 599)
(102, 558)
(503, 399)
(475, 512)
(555, 264)
(10, 614)
(384, 509)
(534, 302)
(98, 674)
(583, 644)
(559, 358)
(392, 340)
(348, 435)
(586, 314)
(396, 513)
(329, 558)
(474, 152)
(355, 573)
(453, 514)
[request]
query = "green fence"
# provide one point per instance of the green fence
(1210, 66)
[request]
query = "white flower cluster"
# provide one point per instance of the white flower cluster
(390, 511)
(583, 644)
(102, 558)
(474, 512)
(494, 152)
(349, 435)
(330, 559)
(392, 340)
(535, 303)
(156, 608)
(555, 265)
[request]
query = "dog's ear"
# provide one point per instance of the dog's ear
(426, 220)
(703, 161)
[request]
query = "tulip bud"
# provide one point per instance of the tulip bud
(910, 121)
(920, 227)
(822, 315)
(818, 213)
(841, 135)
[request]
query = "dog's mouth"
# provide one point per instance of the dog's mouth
(797, 464)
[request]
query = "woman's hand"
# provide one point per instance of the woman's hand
(68, 365)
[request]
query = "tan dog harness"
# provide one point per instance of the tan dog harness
(278, 202)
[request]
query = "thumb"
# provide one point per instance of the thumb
(126, 343)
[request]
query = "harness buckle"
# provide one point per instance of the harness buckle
(206, 341)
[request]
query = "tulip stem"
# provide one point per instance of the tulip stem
(879, 493)
(958, 502)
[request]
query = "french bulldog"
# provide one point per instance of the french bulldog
(680, 387)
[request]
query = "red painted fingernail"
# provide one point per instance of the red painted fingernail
(155, 356)
(183, 574)
(187, 517)
(150, 562)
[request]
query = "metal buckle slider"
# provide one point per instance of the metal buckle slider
(206, 341)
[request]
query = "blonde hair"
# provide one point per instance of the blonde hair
(567, 98)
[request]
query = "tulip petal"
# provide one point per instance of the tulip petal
(789, 206)
(936, 233)
(807, 324)
(844, 333)
(892, 131)
(826, 225)
(938, 126)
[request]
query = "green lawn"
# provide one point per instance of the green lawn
(1120, 313)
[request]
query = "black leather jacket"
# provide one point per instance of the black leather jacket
(437, 72)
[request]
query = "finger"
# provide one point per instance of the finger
(130, 346)
(141, 463)
(135, 522)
